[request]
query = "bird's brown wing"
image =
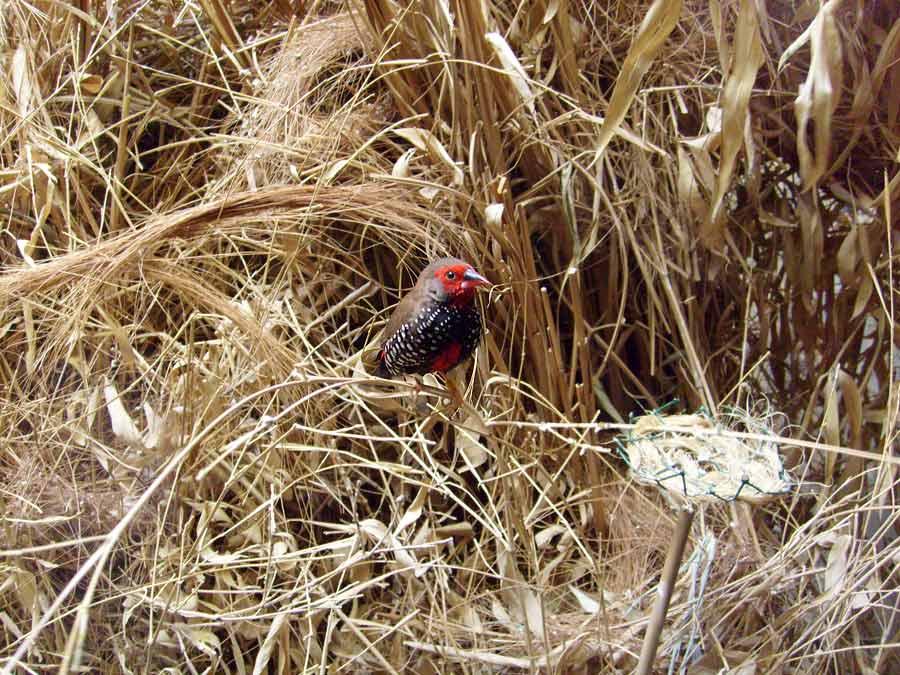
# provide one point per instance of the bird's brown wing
(404, 311)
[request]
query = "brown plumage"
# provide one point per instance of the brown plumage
(436, 326)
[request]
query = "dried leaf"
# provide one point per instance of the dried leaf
(202, 638)
(468, 616)
(588, 604)
(688, 186)
(401, 166)
(848, 258)
(524, 601)
(513, 68)
(660, 20)
(853, 407)
(414, 512)
(820, 94)
(837, 563)
(467, 444)
(863, 295)
(493, 215)
(265, 651)
(25, 248)
(155, 427)
(542, 539)
(90, 84)
(122, 425)
(21, 80)
(334, 169)
(747, 59)
(426, 141)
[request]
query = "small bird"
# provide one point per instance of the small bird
(436, 326)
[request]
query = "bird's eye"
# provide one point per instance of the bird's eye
(451, 275)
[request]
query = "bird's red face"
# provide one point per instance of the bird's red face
(459, 282)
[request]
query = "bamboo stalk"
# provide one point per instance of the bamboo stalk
(666, 585)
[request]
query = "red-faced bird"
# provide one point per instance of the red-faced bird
(436, 326)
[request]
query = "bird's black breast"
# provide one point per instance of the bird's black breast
(423, 338)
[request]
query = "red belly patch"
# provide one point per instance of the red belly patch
(447, 358)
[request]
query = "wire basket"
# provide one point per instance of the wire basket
(702, 458)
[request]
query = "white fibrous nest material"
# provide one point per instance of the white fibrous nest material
(701, 458)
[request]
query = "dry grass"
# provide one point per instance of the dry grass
(207, 210)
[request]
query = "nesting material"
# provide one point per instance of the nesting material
(701, 458)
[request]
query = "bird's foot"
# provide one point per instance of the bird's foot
(471, 418)
(456, 396)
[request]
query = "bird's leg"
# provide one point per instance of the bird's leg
(456, 399)
(456, 395)
(417, 390)
(472, 418)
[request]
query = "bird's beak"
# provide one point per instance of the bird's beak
(471, 279)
